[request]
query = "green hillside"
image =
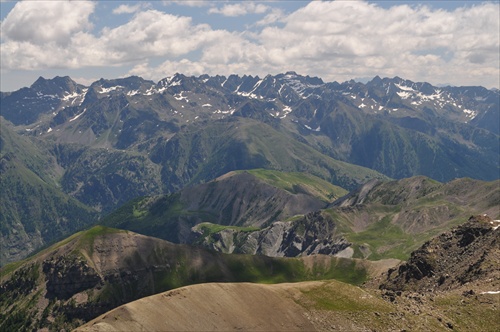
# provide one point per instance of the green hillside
(33, 211)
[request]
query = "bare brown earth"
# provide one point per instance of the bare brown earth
(305, 306)
(209, 307)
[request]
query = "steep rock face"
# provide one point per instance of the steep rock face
(315, 233)
(469, 253)
(67, 276)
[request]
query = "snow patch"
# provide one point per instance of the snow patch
(404, 94)
(50, 129)
(132, 93)
(495, 222)
(223, 112)
(206, 105)
(70, 96)
(181, 97)
(470, 113)
(113, 88)
(316, 129)
(249, 95)
(77, 116)
(491, 292)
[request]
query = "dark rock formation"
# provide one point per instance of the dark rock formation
(468, 253)
(68, 275)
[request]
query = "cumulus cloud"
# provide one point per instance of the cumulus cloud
(240, 9)
(189, 3)
(336, 40)
(353, 39)
(126, 9)
(47, 21)
(149, 33)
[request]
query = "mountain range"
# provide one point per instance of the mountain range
(94, 148)
(358, 193)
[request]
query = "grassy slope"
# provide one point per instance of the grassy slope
(158, 215)
(34, 210)
(399, 216)
(295, 182)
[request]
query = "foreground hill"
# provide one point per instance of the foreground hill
(333, 305)
(97, 270)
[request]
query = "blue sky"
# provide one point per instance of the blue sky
(442, 42)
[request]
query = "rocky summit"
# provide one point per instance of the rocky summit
(466, 256)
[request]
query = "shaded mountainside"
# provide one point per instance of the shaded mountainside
(467, 255)
(34, 211)
(99, 269)
(245, 198)
(105, 179)
(202, 152)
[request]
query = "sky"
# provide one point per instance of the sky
(441, 42)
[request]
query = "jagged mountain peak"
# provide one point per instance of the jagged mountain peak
(125, 84)
(55, 86)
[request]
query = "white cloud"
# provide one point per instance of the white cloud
(276, 15)
(341, 40)
(189, 3)
(334, 40)
(126, 9)
(344, 39)
(240, 9)
(39, 22)
(154, 33)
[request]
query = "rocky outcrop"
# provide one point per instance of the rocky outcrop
(67, 275)
(314, 233)
(469, 253)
